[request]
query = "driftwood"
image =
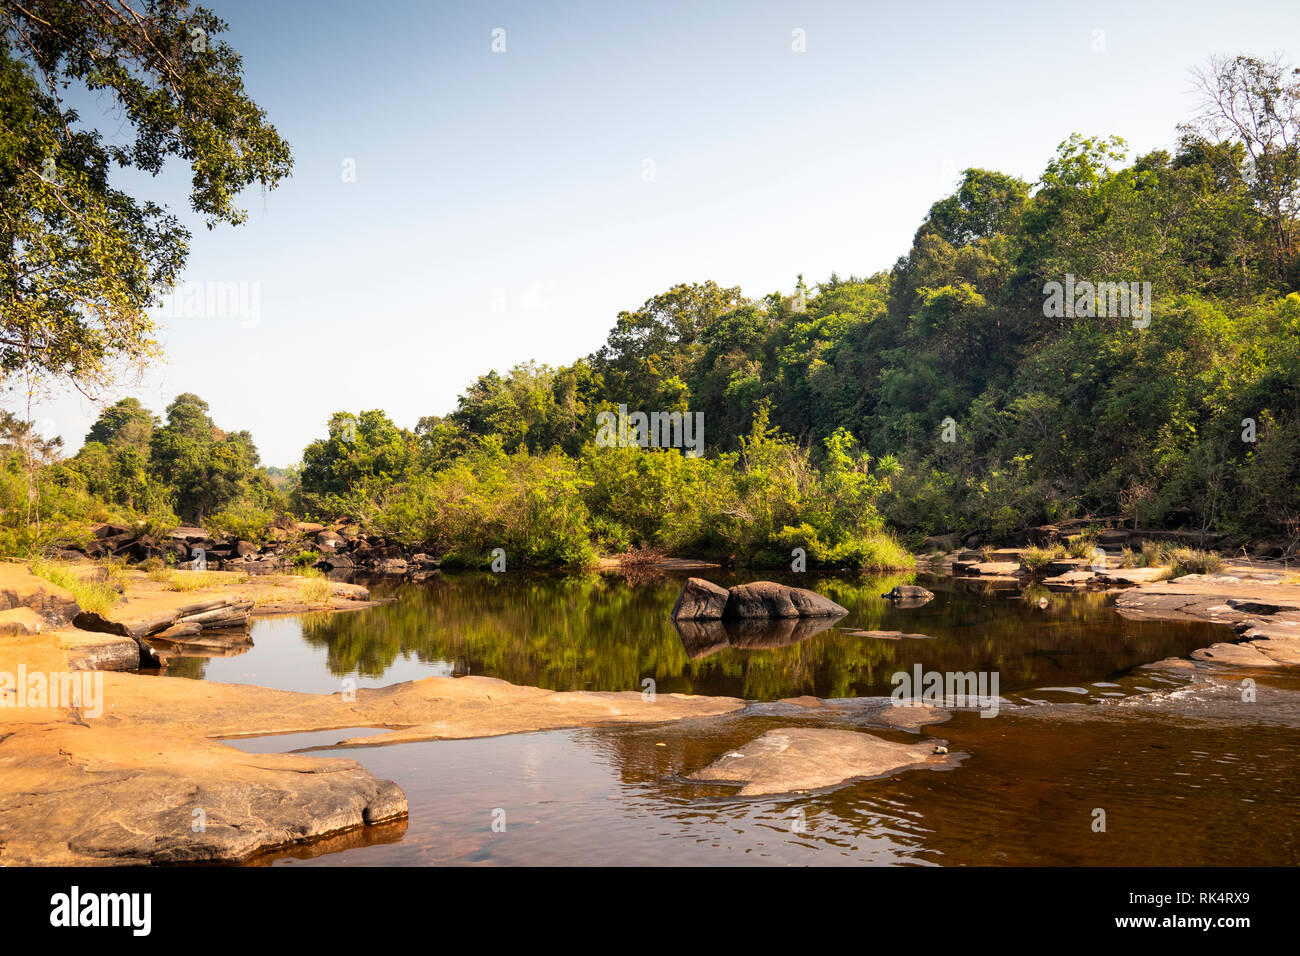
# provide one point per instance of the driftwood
(226, 615)
(171, 625)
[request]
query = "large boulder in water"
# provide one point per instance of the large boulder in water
(700, 600)
(772, 600)
(909, 595)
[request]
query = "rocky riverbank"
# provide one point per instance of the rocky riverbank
(340, 546)
(140, 775)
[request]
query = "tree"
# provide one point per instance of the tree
(359, 449)
(80, 260)
(1257, 103)
(985, 204)
(126, 422)
(206, 468)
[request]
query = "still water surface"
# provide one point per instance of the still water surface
(1186, 772)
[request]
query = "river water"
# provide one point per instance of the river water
(1092, 759)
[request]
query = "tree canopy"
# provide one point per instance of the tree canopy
(80, 259)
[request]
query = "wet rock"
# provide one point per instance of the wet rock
(987, 568)
(700, 600)
(909, 595)
(1059, 566)
(1123, 576)
(767, 599)
(1080, 580)
(792, 759)
(1238, 655)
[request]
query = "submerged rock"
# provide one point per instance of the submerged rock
(892, 635)
(909, 595)
(790, 759)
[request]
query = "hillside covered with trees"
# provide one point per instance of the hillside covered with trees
(942, 395)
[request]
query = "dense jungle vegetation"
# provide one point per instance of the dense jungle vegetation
(851, 417)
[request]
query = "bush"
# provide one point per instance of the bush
(1191, 561)
(240, 522)
(1037, 559)
(1081, 545)
(1154, 554)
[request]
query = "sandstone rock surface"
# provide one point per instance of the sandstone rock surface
(793, 759)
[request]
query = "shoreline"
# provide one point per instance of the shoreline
(128, 787)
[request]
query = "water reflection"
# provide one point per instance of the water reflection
(1177, 792)
(702, 638)
(599, 632)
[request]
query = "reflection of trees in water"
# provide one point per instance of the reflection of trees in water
(194, 668)
(597, 632)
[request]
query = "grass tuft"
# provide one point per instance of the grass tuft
(97, 595)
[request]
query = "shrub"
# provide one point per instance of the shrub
(1081, 545)
(1191, 561)
(1154, 554)
(242, 522)
(1037, 559)
(158, 524)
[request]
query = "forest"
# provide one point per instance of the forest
(853, 416)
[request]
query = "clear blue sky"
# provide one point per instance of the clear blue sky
(500, 211)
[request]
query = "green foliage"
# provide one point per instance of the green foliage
(1081, 545)
(80, 260)
(95, 593)
(1192, 561)
(242, 521)
(1054, 415)
(1037, 559)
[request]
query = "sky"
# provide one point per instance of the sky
(455, 208)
